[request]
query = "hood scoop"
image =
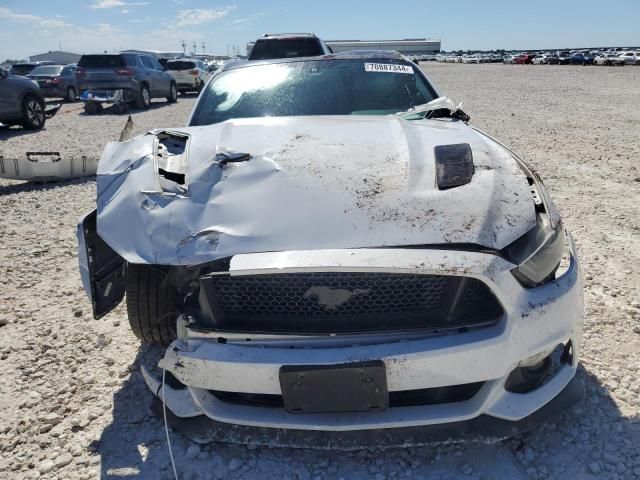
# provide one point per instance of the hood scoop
(454, 165)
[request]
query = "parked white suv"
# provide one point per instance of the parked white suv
(630, 58)
(190, 74)
(471, 59)
(608, 59)
(541, 59)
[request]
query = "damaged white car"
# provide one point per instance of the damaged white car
(330, 247)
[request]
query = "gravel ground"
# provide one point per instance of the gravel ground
(74, 133)
(75, 406)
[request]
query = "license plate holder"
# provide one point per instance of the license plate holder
(350, 387)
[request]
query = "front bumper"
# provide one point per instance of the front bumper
(481, 429)
(189, 85)
(535, 320)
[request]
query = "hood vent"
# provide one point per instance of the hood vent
(454, 165)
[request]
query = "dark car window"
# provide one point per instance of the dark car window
(336, 87)
(22, 69)
(181, 65)
(66, 71)
(130, 59)
(266, 49)
(155, 64)
(146, 61)
(101, 61)
(46, 71)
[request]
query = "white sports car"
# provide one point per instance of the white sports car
(328, 246)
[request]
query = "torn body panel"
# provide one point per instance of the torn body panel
(47, 166)
(310, 183)
(103, 271)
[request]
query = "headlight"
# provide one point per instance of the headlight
(537, 253)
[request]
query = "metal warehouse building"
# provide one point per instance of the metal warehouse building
(409, 46)
(57, 56)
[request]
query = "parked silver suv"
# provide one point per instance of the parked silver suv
(123, 77)
(21, 102)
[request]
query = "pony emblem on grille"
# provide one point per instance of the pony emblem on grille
(332, 298)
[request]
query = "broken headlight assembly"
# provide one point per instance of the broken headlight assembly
(536, 370)
(537, 253)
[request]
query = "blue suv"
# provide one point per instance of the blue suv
(123, 78)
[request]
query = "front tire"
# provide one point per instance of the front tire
(151, 304)
(32, 113)
(173, 94)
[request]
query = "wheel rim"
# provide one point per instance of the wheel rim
(71, 93)
(145, 96)
(35, 113)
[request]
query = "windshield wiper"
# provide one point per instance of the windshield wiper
(441, 107)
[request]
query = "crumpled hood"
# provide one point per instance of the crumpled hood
(312, 183)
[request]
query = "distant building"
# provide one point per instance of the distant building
(409, 46)
(56, 56)
(158, 53)
(210, 57)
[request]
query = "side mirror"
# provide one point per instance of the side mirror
(3, 73)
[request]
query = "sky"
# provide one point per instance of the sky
(28, 27)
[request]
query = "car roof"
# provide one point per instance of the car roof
(27, 64)
(287, 35)
(348, 55)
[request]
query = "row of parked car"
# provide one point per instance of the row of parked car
(128, 77)
(609, 58)
(95, 79)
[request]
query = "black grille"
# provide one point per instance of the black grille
(344, 302)
(404, 398)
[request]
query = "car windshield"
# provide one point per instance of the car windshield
(328, 87)
(21, 69)
(55, 70)
(181, 65)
